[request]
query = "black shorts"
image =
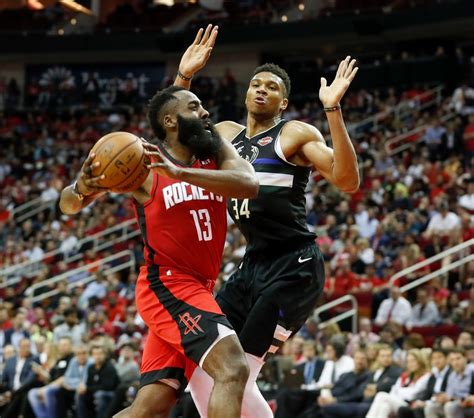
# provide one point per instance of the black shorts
(271, 295)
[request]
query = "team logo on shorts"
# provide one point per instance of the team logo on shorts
(265, 141)
(190, 323)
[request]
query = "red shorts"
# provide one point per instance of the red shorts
(182, 316)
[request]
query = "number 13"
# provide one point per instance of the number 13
(199, 216)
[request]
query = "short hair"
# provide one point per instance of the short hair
(337, 342)
(385, 347)
(98, 347)
(279, 72)
(156, 105)
(458, 350)
(439, 350)
(69, 311)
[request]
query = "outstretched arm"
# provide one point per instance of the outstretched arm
(83, 191)
(196, 56)
(234, 178)
(338, 165)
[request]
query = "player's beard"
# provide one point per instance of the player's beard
(203, 143)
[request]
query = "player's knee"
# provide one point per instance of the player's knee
(156, 409)
(235, 371)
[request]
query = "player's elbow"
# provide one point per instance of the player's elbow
(66, 207)
(251, 188)
(350, 185)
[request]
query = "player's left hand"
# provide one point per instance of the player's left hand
(331, 95)
(159, 164)
(197, 54)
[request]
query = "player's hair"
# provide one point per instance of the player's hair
(156, 105)
(279, 72)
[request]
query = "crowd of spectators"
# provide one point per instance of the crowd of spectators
(410, 206)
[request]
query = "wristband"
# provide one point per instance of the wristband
(332, 108)
(182, 76)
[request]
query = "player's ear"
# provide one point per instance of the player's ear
(169, 121)
(283, 105)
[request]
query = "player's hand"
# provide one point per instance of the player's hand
(87, 184)
(199, 51)
(159, 164)
(331, 95)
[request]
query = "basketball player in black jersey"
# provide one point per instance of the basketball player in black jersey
(281, 275)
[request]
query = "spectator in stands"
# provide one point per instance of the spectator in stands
(363, 338)
(98, 389)
(464, 340)
(409, 386)
(17, 379)
(129, 376)
(468, 135)
(347, 389)
(43, 400)
(449, 404)
(437, 383)
(433, 137)
(381, 380)
(18, 331)
(70, 328)
(444, 223)
(425, 312)
(293, 400)
(97, 288)
(394, 309)
(336, 363)
(74, 375)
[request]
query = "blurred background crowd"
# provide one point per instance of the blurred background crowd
(70, 335)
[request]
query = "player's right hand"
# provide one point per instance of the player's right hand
(197, 54)
(87, 184)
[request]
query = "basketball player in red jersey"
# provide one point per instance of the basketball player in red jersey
(181, 211)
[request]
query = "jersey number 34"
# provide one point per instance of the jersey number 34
(243, 211)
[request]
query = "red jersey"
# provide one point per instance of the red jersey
(184, 226)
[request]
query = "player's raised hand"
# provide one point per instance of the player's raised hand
(87, 184)
(159, 164)
(331, 95)
(199, 51)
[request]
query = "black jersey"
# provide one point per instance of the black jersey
(277, 217)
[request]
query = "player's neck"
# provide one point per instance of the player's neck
(256, 125)
(178, 151)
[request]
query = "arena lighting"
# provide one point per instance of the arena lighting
(35, 5)
(284, 18)
(301, 6)
(168, 3)
(71, 4)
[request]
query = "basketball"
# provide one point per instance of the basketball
(122, 160)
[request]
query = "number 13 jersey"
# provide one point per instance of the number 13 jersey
(184, 226)
(277, 217)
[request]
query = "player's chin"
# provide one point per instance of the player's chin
(259, 110)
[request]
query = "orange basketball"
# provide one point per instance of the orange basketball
(122, 161)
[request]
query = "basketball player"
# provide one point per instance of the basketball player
(281, 275)
(182, 215)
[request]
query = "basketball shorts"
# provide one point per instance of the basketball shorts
(184, 324)
(271, 295)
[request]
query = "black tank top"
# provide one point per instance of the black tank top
(276, 219)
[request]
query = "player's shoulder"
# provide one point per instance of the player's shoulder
(301, 131)
(228, 129)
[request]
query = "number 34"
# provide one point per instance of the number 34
(244, 208)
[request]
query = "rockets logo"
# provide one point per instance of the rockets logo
(190, 323)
